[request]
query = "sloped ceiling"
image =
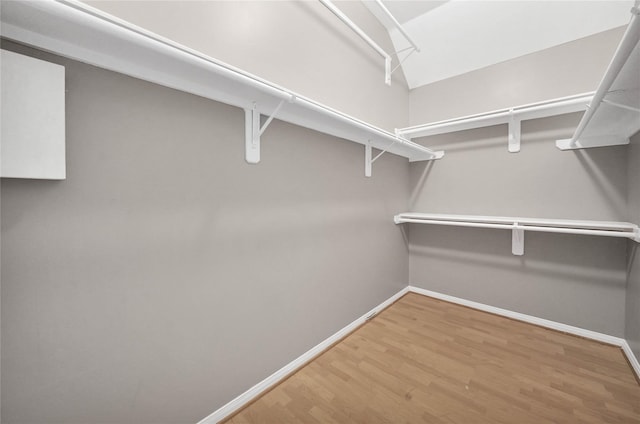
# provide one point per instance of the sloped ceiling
(458, 36)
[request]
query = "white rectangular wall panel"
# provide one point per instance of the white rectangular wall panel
(32, 143)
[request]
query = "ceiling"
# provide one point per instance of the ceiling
(459, 36)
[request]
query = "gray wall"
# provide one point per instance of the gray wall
(632, 329)
(300, 45)
(577, 280)
(165, 275)
(571, 68)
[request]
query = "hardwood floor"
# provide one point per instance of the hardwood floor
(423, 360)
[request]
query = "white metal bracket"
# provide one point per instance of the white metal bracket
(253, 131)
(387, 70)
(400, 61)
(514, 132)
(368, 161)
(517, 240)
(589, 142)
(252, 134)
(621, 106)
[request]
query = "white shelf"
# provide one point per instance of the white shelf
(512, 116)
(520, 224)
(75, 30)
(614, 113)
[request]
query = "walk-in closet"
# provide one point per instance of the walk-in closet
(319, 211)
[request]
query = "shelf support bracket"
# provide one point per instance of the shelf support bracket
(252, 134)
(367, 156)
(589, 142)
(367, 159)
(514, 133)
(621, 106)
(401, 61)
(517, 240)
(270, 118)
(253, 131)
(387, 70)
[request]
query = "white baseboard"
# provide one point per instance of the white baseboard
(632, 358)
(240, 401)
(594, 335)
(605, 338)
(246, 397)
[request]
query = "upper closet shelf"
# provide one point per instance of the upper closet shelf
(518, 225)
(75, 30)
(614, 113)
(512, 116)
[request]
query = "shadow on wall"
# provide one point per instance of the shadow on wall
(583, 259)
(423, 172)
(575, 279)
(607, 177)
(479, 176)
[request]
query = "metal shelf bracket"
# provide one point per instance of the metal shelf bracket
(514, 132)
(368, 161)
(517, 240)
(253, 131)
(252, 135)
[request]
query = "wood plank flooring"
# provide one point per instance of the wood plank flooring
(423, 360)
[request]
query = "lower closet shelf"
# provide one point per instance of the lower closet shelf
(519, 224)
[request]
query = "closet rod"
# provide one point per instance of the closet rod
(398, 25)
(516, 225)
(312, 105)
(544, 109)
(605, 228)
(76, 30)
(629, 41)
(344, 18)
